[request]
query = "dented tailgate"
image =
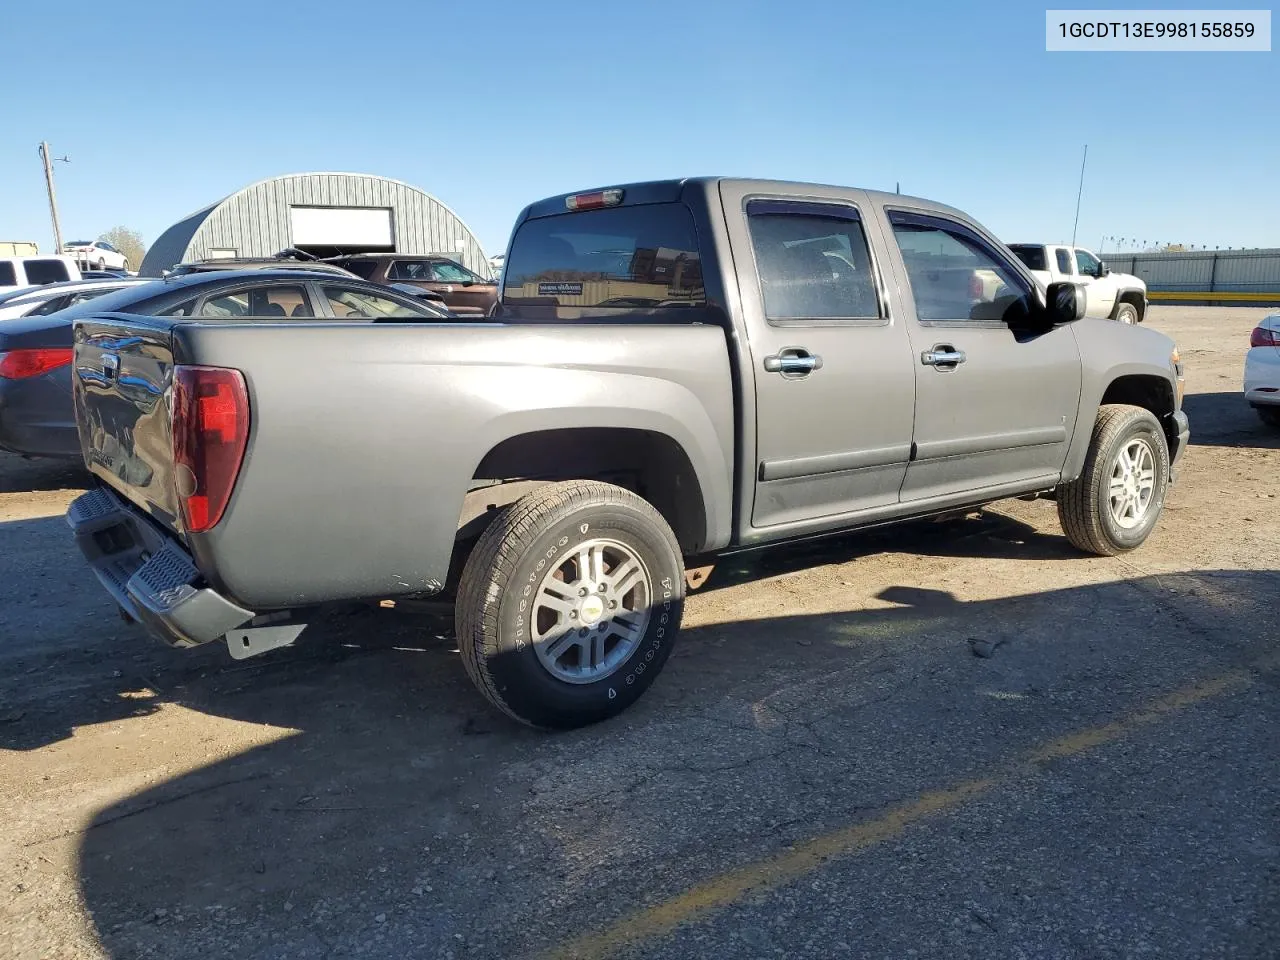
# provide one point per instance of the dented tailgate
(123, 374)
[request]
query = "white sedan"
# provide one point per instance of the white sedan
(96, 255)
(1262, 370)
(52, 297)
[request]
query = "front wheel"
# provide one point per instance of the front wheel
(569, 604)
(1127, 313)
(1114, 504)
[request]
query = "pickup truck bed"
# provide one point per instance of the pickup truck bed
(674, 369)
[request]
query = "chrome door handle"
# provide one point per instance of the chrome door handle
(942, 358)
(792, 362)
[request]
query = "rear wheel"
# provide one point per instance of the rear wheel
(1269, 415)
(101, 265)
(1127, 313)
(569, 604)
(1114, 504)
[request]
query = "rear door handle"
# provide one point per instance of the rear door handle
(793, 362)
(942, 356)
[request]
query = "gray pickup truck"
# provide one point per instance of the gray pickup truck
(674, 370)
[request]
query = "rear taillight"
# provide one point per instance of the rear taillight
(210, 431)
(1262, 337)
(20, 364)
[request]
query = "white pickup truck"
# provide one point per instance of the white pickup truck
(1108, 296)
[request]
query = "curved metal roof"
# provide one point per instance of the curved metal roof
(254, 221)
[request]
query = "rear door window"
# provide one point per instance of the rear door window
(813, 262)
(273, 301)
(417, 270)
(46, 271)
(638, 256)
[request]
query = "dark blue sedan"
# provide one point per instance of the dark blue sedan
(36, 416)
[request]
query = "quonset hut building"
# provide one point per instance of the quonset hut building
(325, 214)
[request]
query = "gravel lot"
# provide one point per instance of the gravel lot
(826, 768)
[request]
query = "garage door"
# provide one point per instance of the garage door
(341, 226)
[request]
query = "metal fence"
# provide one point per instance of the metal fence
(1252, 274)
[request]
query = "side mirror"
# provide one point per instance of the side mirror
(1103, 269)
(1064, 303)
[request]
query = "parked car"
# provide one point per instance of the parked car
(36, 416)
(16, 272)
(465, 292)
(564, 468)
(1262, 370)
(96, 255)
(1108, 295)
(430, 297)
(52, 297)
(103, 274)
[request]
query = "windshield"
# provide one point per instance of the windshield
(638, 256)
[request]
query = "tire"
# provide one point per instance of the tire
(124, 265)
(1127, 313)
(102, 265)
(513, 611)
(1269, 415)
(1085, 505)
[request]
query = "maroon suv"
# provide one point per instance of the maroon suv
(464, 291)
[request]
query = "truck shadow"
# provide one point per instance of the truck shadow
(979, 534)
(395, 791)
(1225, 420)
(53, 681)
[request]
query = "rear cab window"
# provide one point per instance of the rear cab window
(8, 275)
(1031, 255)
(1064, 261)
(46, 271)
(599, 263)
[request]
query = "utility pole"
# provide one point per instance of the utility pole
(1079, 192)
(53, 201)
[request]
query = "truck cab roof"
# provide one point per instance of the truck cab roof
(669, 191)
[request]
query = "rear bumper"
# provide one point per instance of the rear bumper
(148, 573)
(1262, 376)
(36, 416)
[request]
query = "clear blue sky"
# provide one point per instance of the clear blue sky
(165, 107)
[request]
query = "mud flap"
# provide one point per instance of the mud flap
(251, 641)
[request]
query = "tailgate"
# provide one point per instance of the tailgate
(122, 384)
